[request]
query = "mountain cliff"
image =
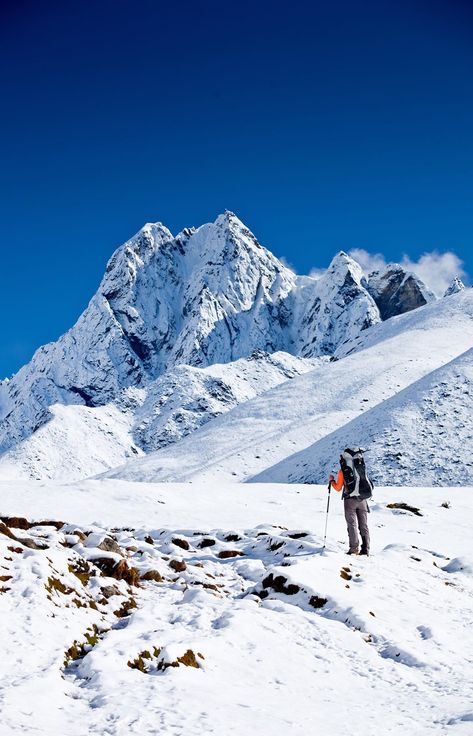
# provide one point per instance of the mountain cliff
(209, 295)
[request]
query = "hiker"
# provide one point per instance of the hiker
(357, 488)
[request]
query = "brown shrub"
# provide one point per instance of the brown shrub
(57, 585)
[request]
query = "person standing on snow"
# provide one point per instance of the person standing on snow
(357, 488)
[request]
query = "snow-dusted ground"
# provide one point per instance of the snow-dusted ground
(348, 645)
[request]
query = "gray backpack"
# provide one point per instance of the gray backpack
(354, 472)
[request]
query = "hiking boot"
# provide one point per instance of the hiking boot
(364, 552)
(352, 552)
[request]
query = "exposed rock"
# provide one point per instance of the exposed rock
(396, 291)
(278, 584)
(178, 565)
(118, 570)
(207, 542)
(182, 543)
(152, 575)
(109, 590)
(26, 541)
(404, 507)
(317, 602)
(225, 553)
(110, 545)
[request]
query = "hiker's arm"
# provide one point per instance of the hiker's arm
(337, 484)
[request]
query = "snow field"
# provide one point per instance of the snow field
(285, 635)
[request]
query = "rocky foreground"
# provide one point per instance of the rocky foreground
(205, 629)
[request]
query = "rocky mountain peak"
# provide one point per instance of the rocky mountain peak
(212, 294)
(455, 287)
(396, 290)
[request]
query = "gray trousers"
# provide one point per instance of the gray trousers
(356, 515)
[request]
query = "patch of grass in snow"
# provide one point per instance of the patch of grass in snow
(125, 608)
(82, 570)
(143, 662)
(54, 584)
(78, 650)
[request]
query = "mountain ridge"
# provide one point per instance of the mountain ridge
(209, 295)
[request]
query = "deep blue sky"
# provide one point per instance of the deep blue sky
(322, 125)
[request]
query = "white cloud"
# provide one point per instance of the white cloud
(316, 273)
(437, 270)
(369, 262)
(286, 263)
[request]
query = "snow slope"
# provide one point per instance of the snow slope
(80, 441)
(284, 637)
(373, 368)
(423, 434)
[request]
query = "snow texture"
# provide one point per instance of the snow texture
(212, 608)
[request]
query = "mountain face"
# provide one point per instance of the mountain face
(208, 295)
(335, 308)
(80, 441)
(402, 390)
(397, 291)
(455, 287)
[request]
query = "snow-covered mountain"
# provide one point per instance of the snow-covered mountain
(399, 363)
(79, 441)
(205, 296)
(130, 376)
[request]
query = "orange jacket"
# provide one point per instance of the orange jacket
(339, 483)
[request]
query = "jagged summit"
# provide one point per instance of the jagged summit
(455, 287)
(211, 294)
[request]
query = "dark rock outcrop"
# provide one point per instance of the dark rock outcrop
(396, 291)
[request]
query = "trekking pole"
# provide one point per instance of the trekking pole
(326, 515)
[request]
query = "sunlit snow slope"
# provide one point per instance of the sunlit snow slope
(386, 360)
(79, 441)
